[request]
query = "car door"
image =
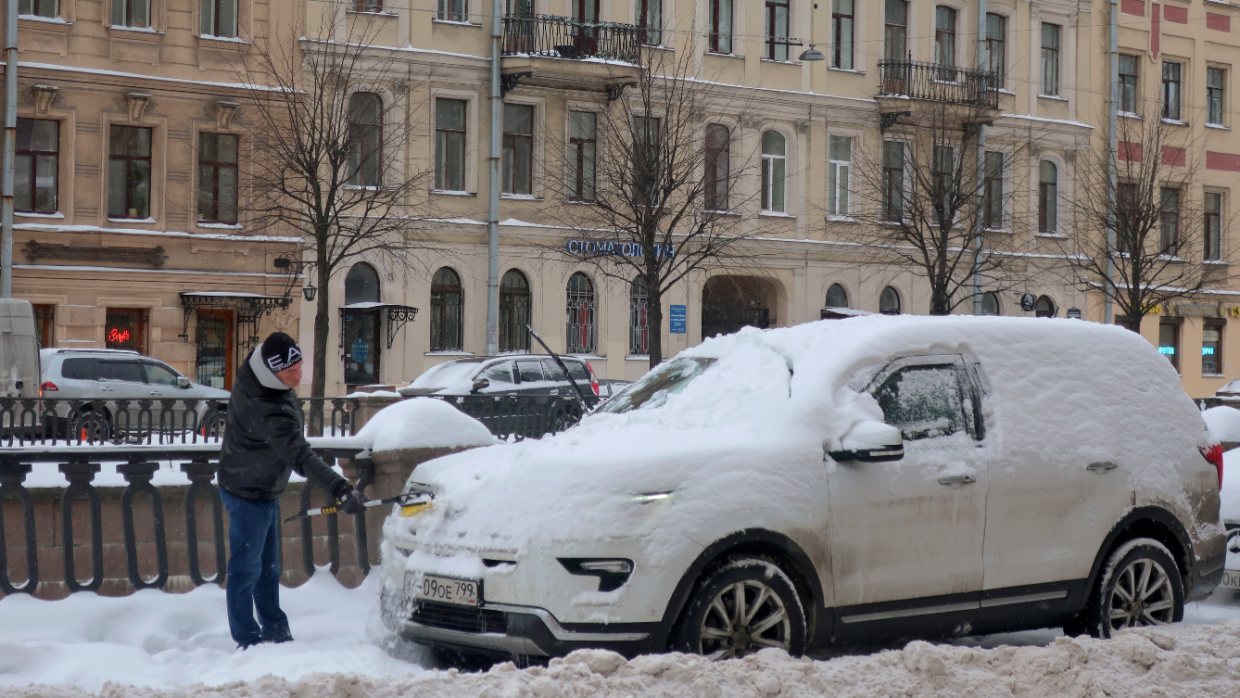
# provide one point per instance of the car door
(906, 535)
(161, 383)
(500, 379)
(532, 380)
(127, 381)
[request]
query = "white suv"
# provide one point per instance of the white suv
(850, 481)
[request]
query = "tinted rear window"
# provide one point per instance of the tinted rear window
(80, 369)
(130, 371)
(530, 371)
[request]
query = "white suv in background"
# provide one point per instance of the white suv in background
(828, 484)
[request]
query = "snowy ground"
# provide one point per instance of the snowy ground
(177, 645)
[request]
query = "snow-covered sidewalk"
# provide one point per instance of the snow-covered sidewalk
(177, 646)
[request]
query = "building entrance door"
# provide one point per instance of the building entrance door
(732, 302)
(214, 363)
(361, 347)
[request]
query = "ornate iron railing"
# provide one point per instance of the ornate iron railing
(938, 83)
(521, 416)
(561, 37)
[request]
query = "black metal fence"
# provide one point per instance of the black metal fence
(938, 83)
(561, 37)
(522, 416)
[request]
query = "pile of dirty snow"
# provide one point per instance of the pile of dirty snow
(423, 423)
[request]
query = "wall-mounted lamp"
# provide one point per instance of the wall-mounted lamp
(812, 54)
(308, 291)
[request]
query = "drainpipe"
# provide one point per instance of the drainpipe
(10, 146)
(1112, 149)
(497, 112)
(983, 58)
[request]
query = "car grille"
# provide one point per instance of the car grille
(461, 618)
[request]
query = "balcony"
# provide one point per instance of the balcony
(559, 52)
(969, 95)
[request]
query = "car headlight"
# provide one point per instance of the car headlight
(651, 497)
(612, 573)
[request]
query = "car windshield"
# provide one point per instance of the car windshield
(446, 374)
(652, 390)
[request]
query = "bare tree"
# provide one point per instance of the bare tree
(658, 181)
(925, 204)
(1157, 244)
(327, 123)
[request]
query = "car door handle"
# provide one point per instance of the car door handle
(555, 391)
(1101, 467)
(104, 389)
(957, 480)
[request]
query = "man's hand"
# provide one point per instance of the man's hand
(353, 501)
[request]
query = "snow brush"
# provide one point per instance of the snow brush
(407, 506)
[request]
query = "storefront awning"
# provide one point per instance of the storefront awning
(253, 304)
(397, 316)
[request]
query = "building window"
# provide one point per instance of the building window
(129, 172)
(996, 47)
(721, 26)
(213, 360)
(842, 22)
(1214, 226)
(518, 158)
(889, 302)
(993, 193)
(650, 21)
(776, 29)
(365, 139)
(1169, 220)
(580, 325)
(126, 328)
(39, 8)
(1050, 59)
(450, 144)
(368, 5)
(1172, 89)
(514, 312)
(895, 30)
(37, 167)
(447, 311)
(639, 329)
(1044, 308)
(1048, 197)
(1125, 208)
(581, 154)
(837, 297)
(219, 18)
(718, 167)
(945, 41)
(990, 303)
(893, 181)
(217, 178)
(45, 324)
(942, 177)
(1169, 343)
(647, 166)
(1129, 78)
(838, 175)
(454, 10)
(1215, 78)
(774, 167)
(1212, 347)
(131, 13)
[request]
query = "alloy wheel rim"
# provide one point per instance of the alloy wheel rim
(744, 617)
(1142, 596)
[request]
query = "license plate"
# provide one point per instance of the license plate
(429, 587)
(1231, 580)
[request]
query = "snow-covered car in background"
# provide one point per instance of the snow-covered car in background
(511, 374)
(835, 482)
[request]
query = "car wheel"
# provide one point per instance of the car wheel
(1140, 586)
(90, 427)
(742, 607)
(448, 658)
(213, 424)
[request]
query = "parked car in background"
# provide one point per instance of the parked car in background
(608, 387)
(512, 374)
(114, 381)
(1228, 395)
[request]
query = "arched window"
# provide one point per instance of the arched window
(1048, 197)
(361, 284)
(774, 167)
(581, 329)
(360, 325)
(889, 302)
(639, 332)
(1045, 308)
(447, 310)
(837, 297)
(365, 139)
(514, 312)
(718, 154)
(990, 303)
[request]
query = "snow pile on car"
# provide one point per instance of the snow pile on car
(1224, 423)
(423, 423)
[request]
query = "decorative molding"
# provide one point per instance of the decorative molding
(224, 113)
(153, 256)
(802, 127)
(44, 96)
(138, 103)
(84, 170)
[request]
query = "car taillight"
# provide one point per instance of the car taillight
(48, 386)
(593, 379)
(1214, 454)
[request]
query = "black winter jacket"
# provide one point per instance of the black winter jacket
(264, 441)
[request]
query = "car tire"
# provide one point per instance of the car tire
(213, 424)
(773, 615)
(90, 427)
(1140, 585)
(449, 658)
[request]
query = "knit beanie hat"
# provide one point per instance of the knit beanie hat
(279, 352)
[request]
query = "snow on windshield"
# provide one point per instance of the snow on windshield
(446, 374)
(652, 390)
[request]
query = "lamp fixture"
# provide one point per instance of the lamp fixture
(811, 54)
(308, 291)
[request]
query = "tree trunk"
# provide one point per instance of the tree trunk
(322, 327)
(940, 303)
(654, 315)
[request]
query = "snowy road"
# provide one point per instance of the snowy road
(177, 645)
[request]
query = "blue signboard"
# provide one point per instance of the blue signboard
(679, 319)
(360, 350)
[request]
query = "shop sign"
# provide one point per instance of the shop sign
(359, 350)
(679, 318)
(1028, 302)
(1074, 313)
(590, 248)
(119, 336)
(1198, 309)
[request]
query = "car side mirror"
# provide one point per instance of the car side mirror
(183, 382)
(870, 442)
(479, 384)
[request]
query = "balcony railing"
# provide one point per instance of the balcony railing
(561, 37)
(938, 83)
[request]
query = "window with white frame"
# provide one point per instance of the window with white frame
(219, 18)
(1050, 59)
(1048, 197)
(450, 144)
(1216, 78)
(453, 10)
(842, 22)
(131, 13)
(39, 8)
(774, 170)
(838, 175)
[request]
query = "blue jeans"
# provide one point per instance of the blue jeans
(254, 571)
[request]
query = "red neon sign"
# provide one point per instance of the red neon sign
(118, 335)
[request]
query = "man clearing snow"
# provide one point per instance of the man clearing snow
(264, 443)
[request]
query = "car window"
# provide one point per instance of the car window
(161, 375)
(577, 370)
(129, 371)
(531, 371)
(80, 369)
(552, 370)
(923, 401)
(652, 390)
(446, 375)
(499, 373)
